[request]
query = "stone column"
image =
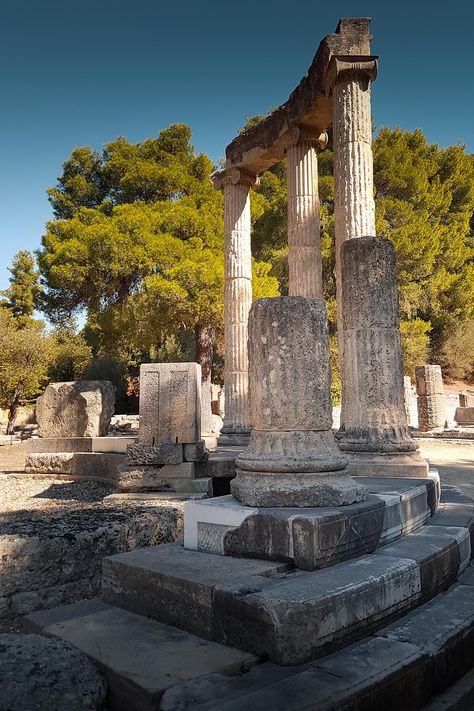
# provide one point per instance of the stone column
(292, 458)
(431, 400)
(354, 206)
(237, 301)
(374, 432)
(304, 243)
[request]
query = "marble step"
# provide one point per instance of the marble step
(291, 616)
(151, 666)
(399, 668)
(312, 538)
(139, 657)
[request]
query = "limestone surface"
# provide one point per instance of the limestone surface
(45, 674)
(373, 416)
(291, 443)
(429, 380)
(81, 408)
(170, 403)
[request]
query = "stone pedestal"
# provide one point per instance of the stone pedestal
(305, 276)
(374, 432)
(431, 401)
(170, 442)
(410, 402)
(237, 301)
(292, 459)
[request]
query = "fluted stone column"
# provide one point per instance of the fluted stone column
(354, 206)
(237, 302)
(292, 458)
(374, 431)
(304, 243)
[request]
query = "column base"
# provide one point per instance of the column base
(404, 464)
(298, 489)
(229, 437)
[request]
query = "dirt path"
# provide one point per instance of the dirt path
(454, 461)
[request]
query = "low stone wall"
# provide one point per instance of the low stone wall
(54, 556)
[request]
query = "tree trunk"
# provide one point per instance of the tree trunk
(14, 405)
(204, 351)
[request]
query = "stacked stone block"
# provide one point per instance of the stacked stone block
(170, 442)
(431, 400)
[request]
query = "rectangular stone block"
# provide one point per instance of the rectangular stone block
(176, 586)
(466, 399)
(159, 455)
(441, 552)
(305, 614)
(170, 403)
(59, 444)
(444, 630)
(429, 380)
(431, 412)
(464, 416)
(195, 451)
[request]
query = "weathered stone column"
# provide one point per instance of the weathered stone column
(305, 276)
(431, 402)
(237, 301)
(292, 458)
(354, 206)
(374, 432)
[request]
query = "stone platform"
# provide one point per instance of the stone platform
(312, 538)
(202, 621)
(77, 457)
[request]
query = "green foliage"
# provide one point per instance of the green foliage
(25, 356)
(415, 335)
(115, 370)
(424, 204)
(24, 293)
(71, 354)
(455, 353)
(138, 244)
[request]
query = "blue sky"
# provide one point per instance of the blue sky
(83, 73)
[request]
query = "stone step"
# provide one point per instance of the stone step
(312, 538)
(149, 665)
(292, 616)
(139, 657)
(400, 668)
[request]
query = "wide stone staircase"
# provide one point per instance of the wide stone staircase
(386, 623)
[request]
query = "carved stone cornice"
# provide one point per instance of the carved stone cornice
(299, 134)
(234, 176)
(343, 67)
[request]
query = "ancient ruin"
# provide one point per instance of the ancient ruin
(288, 593)
(335, 91)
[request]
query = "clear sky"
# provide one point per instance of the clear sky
(82, 73)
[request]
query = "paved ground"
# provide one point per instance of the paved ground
(454, 461)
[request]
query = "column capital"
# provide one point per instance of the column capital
(234, 176)
(300, 134)
(344, 66)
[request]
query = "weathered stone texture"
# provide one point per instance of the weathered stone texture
(170, 403)
(429, 380)
(373, 416)
(291, 443)
(45, 674)
(81, 408)
(431, 412)
(154, 456)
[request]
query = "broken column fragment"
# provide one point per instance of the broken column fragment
(374, 431)
(292, 459)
